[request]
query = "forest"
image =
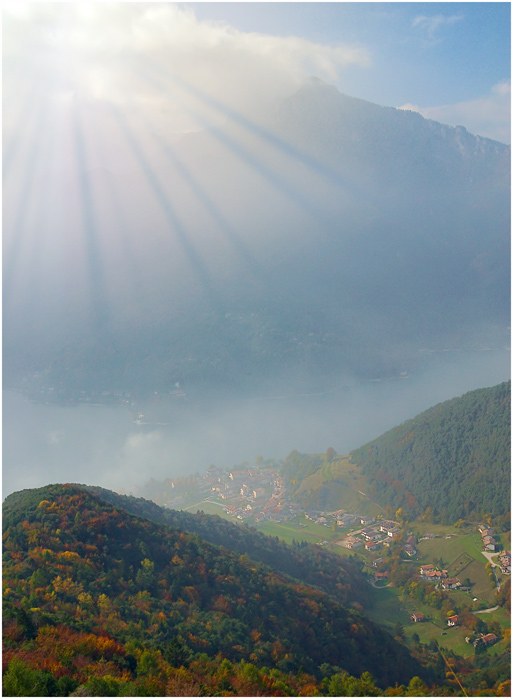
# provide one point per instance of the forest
(75, 565)
(306, 563)
(100, 602)
(462, 444)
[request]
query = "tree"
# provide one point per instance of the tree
(399, 630)
(330, 454)
(22, 681)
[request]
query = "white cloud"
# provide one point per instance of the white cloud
(488, 116)
(129, 54)
(433, 25)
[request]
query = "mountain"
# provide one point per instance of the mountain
(310, 565)
(328, 236)
(92, 591)
(450, 462)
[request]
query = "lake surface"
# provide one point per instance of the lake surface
(101, 445)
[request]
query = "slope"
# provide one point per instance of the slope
(452, 460)
(77, 567)
(334, 235)
(305, 563)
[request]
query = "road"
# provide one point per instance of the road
(488, 555)
(484, 611)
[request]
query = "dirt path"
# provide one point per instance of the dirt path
(484, 611)
(488, 555)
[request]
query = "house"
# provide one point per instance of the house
(452, 620)
(366, 520)
(258, 493)
(411, 541)
(392, 532)
(369, 534)
(381, 576)
(410, 551)
(488, 540)
(489, 547)
(418, 616)
(429, 535)
(387, 524)
(433, 575)
(426, 568)
(350, 543)
(371, 545)
(376, 562)
(488, 639)
(450, 583)
(485, 531)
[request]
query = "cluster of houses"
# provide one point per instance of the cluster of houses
(430, 573)
(505, 562)
(373, 537)
(487, 639)
(489, 543)
(417, 617)
(256, 493)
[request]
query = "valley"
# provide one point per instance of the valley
(256, 319)
(362, 530)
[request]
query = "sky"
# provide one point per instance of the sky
(174, 65)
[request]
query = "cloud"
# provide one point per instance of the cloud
(55, 437)
(488, 116)
(145, 55)
(432, 26)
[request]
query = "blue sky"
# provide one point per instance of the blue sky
(447, 59)
(450, 61)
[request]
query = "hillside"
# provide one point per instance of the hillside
(306, 563)
(92, 591)
(450, 462)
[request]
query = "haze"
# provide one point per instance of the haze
(207, 197)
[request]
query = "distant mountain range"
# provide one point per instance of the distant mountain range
(330, 235)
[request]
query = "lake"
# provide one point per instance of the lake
(101, 445)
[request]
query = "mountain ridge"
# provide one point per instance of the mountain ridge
(87, 566)
(328, 229)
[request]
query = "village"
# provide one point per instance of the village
(259, 494)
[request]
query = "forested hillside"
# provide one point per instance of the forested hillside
(91, 591)
(309, 564)
(450, 462)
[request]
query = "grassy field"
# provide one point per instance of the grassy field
(390, 606)
(298, 529)
(347, 482)
(461, 555)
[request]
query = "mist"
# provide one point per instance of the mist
(187, 204)
(100, 445)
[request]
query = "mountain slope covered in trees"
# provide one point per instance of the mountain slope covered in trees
(131, 600)
(449, 462)
(306, 563)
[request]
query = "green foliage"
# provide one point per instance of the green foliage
(308, 564)
(463, 443)
(22, 681)
(159, 597)
(165, 613)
